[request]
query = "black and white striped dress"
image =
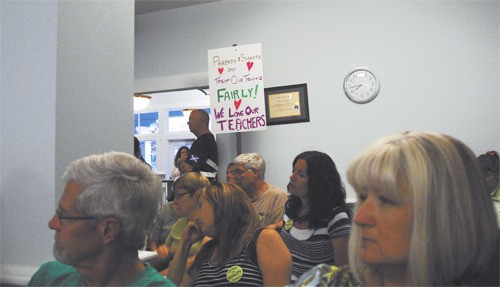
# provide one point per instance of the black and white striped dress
(310, 247)
(240, 271)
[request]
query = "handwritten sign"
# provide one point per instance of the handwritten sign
(236, 89)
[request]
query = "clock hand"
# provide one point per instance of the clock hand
(357, 86)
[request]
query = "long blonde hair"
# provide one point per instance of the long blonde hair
(454, 224)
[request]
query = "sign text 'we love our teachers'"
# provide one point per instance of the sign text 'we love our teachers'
(237, 89)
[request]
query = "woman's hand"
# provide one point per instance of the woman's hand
(163, 251)
(179, 162)
(192, 233)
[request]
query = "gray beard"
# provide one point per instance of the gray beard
(59, 252)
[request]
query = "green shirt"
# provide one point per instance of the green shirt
(55, 273)
(175, 235)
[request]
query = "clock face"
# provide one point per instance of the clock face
(361, 86)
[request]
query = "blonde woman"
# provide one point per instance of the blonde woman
(422, 218)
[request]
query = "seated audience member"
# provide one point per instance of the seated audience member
(100, 224)
(239, 252)
(179, 158)
(490, 165)
(185, 201)
(423, 217)
(316, 224)
(163, 223)
(137, 151)
(248, 172)
(229, 177)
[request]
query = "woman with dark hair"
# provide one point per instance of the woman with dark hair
(179, 158)
(236, 250)
(316, 223)
(490, 165)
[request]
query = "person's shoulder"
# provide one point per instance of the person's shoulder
(166, 210)
(201, 142)
(56, 265)
(177, 229)
(266, 233)
(55, 271)
(207, 136)
(180, 223)
(340, 211)
(272, 189)
(151, 277)
(166, 206)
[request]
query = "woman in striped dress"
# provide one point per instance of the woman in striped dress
(238, 252)
(316, 223)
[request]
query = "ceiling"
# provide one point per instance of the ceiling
(148, 6)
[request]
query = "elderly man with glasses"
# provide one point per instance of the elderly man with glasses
(248, 172)
(109, 202)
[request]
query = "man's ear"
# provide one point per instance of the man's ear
(109, 229)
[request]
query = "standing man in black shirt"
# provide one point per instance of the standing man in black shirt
(203, 154)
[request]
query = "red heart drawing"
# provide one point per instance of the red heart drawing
(221, 70)
(237, 103)
(249, 65)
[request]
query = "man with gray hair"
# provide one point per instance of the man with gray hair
(248, 171)
(108, 204)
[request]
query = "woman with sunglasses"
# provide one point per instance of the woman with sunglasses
(239, 252)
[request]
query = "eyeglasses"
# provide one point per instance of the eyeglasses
(72, 218)
(178, 195)
(238, 171)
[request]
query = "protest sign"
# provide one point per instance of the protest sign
(236, 89)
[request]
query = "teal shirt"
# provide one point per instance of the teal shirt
(55, 273)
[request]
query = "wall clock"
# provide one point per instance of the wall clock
(361, 86)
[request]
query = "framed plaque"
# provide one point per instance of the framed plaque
(286, 104)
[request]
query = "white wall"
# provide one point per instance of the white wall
(438, 62)
(66, 92)
(95, 79)
(27, 134)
